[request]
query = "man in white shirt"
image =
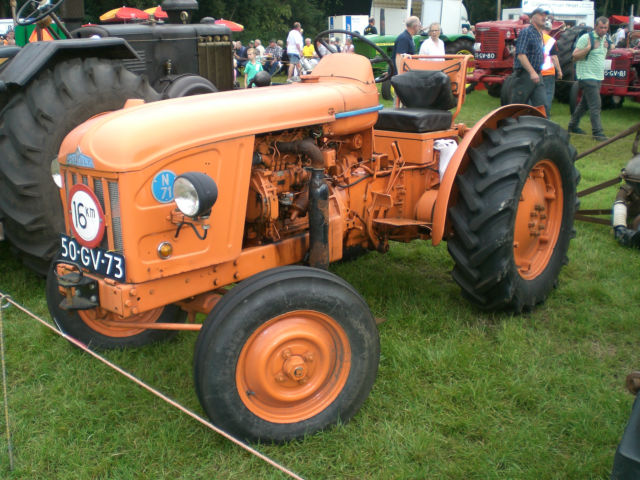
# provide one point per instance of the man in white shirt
(433, 45)
(294, 49)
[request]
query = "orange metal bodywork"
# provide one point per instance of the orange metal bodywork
(382, 185)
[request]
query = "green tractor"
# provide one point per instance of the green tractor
(460, 44)
(47, 88)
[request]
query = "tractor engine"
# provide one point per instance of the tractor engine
(278, 202)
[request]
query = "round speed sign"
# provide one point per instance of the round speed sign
(86, 215)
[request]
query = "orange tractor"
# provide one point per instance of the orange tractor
(233, 205)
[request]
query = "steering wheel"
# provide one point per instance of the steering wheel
(37, 11)
(385, 58)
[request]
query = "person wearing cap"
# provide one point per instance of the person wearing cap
(371, 28)
(626, 208)
(528, 83)
(550, 66)
(589, 54)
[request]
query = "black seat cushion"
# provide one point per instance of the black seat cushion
(424, 89)
(414, 120)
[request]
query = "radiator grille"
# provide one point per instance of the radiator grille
(490, 41)
(110, 201)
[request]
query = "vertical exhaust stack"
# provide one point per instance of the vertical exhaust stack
(180, 11)
(318, 201)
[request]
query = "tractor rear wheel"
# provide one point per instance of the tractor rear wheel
(566, 44)
(32, 127)
(514, 215)
(507, 89)
(90, 328)
(386, 89)
(493, 89)
(288, 352)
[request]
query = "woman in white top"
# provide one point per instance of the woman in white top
(433, 45)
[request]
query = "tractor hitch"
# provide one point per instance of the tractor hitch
(80, 291)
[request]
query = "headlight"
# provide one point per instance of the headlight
(55, 172)
(195, 193)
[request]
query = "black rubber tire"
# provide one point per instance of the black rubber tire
(566, 44)
(507, 89)
(494, 89)
(574, 96)
(386, 90)
(32, 127)
(249, 306)
(611, 102)
(483, 218)
(460, 45)
(72, 324)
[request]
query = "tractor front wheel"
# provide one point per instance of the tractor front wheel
(513, 219)
(94, 328)
(286, 353)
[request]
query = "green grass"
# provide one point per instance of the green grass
(459, 393)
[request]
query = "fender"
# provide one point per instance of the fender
(460, 160)
(38, 56)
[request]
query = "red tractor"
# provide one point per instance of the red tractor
(495, 51)
(621, 76)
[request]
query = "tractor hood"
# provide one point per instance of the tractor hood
(341, 96)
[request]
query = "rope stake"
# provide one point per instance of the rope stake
(142, 384)
(4, 304)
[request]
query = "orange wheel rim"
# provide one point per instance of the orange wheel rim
(95, 320)
(538, 220)
(293, 367)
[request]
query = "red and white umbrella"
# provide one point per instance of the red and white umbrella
(157, 12)
(235, 27)
(123, 14)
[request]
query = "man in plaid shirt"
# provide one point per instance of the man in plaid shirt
(528, 85)
(273, 55)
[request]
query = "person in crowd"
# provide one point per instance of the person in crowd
(252, 67)
(10, 37)
(273, 58)
(259, 47)
(433, 45)
(371, 28)
(626, 208)
(336, 44)
(550, 66)
(620, 37)
(404, 42)
(309, 57)
(589, 55)
(528, 83)
(294, 51)
(348, 45)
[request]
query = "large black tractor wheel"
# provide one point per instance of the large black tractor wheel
(95, 328)
(566, 44)
(513, 219)
(462, 46)
(288, 352)
(386, 89)
(494, 89)
(32, 127)
(507, 90)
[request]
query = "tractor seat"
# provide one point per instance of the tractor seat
(428, 98)
(413, 120)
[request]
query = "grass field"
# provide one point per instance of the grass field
(459, 394)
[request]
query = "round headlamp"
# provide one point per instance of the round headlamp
(55, 172)
(195, 193)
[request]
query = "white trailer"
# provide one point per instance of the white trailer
(390, 15)
(571, 12)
